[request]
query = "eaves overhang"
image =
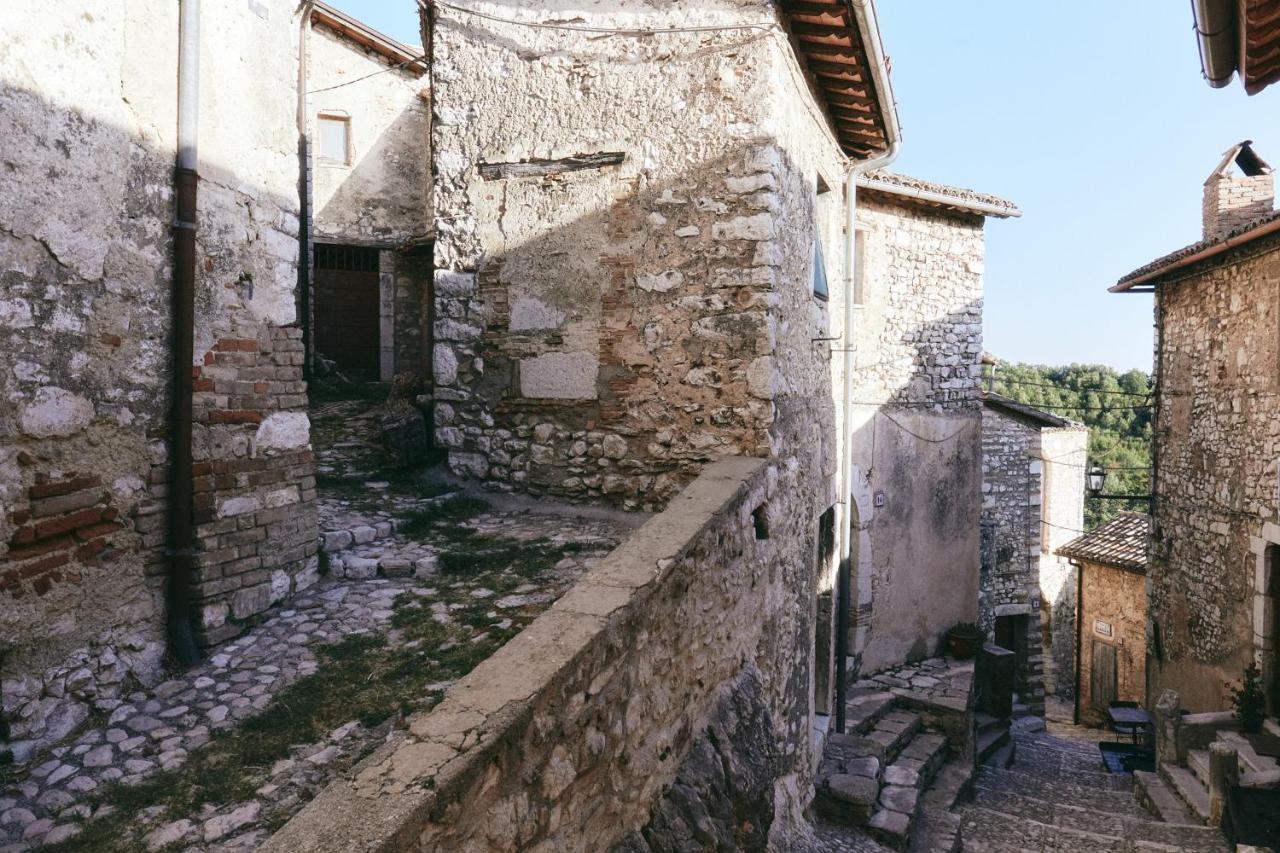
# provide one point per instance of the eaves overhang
(838, 44)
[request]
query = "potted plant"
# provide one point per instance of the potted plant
(964, 640)
(1249, 700)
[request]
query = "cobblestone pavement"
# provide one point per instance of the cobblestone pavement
(1058, 797)
(389, 594)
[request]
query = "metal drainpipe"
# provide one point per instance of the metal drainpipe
(304, 196)
(864, 14)
(181, 551)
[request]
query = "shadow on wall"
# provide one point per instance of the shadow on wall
(918, 483)
(623, 330)
(620, 335)
(84, 326)
(384, 196)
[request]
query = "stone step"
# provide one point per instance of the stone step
(1153, 793)
(894, 731)
(865, 707)
(1188, 787)
(1250, 761)
(937, 828)
(984, 830)
(1198, 764)
(989, 743)
(1005, 756)
(904, 781)
(1104, 800)
(984, 722)
(1093, 822)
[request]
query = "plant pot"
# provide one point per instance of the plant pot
(963, 646)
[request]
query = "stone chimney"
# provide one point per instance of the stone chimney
(1240, 190)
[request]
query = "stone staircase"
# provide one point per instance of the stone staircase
(890, 776)
(1184, 791)
(1057, 796)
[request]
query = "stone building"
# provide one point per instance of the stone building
(1215, 521)
(638, 248)
(91, 107)
(1033, 465)
(368, 108)
(1112, 562)
(915, 412)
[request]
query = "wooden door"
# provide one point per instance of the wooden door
(346, 307)
(1103, 678)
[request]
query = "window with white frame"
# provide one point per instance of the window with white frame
(333, 136)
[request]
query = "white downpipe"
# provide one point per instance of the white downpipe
(864, 12)
(188, 83)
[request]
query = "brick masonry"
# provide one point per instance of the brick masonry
(85, 325)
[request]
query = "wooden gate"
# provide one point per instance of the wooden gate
(1103, 681)
(346, 307)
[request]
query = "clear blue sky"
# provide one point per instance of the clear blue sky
(1091, 115)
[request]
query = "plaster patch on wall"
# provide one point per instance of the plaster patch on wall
(56, 412)
(560, 376)
(528, 312)
(284, 430)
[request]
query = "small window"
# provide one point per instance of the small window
(859, 266)
(819, 273)
(334, 134)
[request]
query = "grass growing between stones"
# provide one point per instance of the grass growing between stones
(372, 678)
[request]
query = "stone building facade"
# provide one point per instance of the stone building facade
(1112, 562)
(1033, 466)
(1215, 525)
(634, 244)
(85, 325)
(916, 413)
(368, 112)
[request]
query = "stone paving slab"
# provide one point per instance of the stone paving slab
(157, 729)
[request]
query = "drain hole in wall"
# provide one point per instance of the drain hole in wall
(760, 518)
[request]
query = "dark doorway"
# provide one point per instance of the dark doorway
(346, 309)
(1011, 634)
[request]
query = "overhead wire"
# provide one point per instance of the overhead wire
(367, 76)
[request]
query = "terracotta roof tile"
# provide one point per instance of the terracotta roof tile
(1121, 542)
(1172, 258)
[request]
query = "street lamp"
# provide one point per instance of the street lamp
(1097, 479)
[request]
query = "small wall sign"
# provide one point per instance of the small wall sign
(879, 499)
(1102, 628)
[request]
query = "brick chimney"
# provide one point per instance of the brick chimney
(1240, 190)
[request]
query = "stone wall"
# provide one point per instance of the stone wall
(1012, 495)
(1032, 503)
(383, 196)
(1117, 598)
(620, 238)
(917, 427)
(568, 737)
(1064, 454)
(1215, 511)
(85, 322)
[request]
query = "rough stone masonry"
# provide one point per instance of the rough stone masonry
(85, 323)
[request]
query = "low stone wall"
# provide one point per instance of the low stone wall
(566, 738)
